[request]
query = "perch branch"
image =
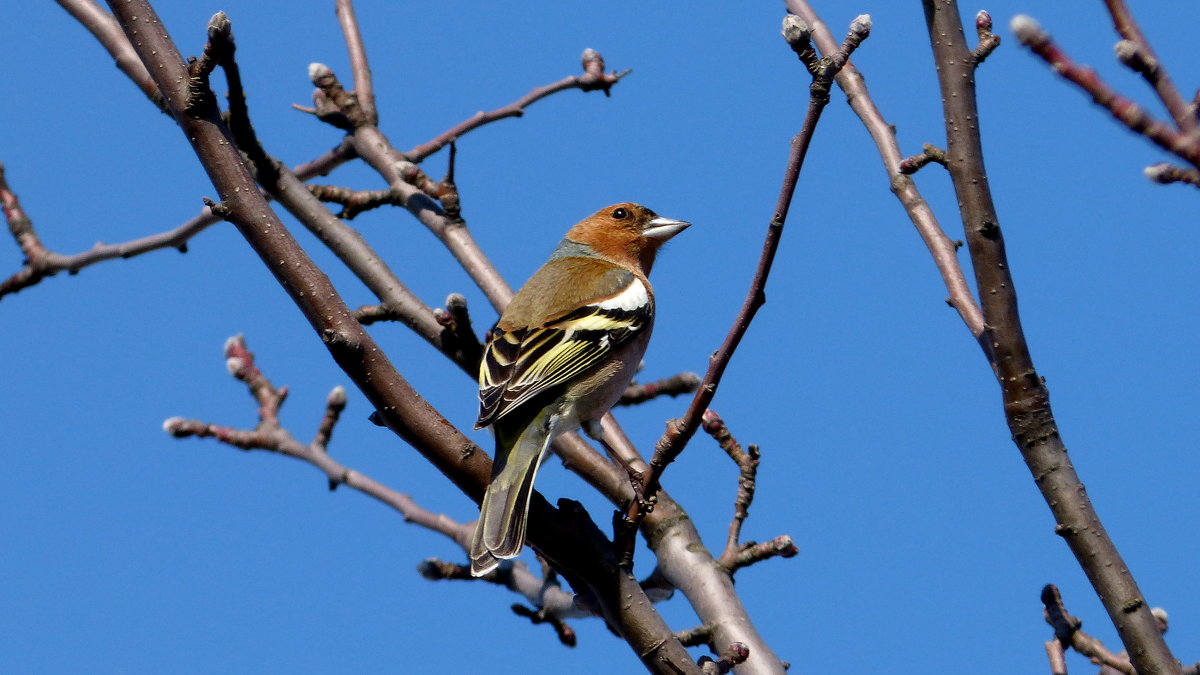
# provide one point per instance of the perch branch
(561, 535)
(676, 385)
(679, 431)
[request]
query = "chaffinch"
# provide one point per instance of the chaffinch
(560, 356)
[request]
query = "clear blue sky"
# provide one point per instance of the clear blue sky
(923, 540)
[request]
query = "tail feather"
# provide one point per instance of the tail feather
(500, 531)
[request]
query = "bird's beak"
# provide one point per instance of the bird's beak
(661, 229)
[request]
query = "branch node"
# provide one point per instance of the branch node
(988, 41)
(566, 634)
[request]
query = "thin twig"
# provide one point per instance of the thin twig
(49, 263)
(729, 657)
(930, 154)
(593, 79)
(747, 463)
(988, 41)
(941, 247)
(1185, 146)
(269, 435)
(354, 202)
(1067, 633)
(675, 385)
(1168, 173)
(1154, 72)
(679, 431)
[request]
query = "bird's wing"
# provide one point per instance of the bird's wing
(521, 363)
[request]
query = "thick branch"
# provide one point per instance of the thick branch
(556, 534)
(1026, 399)
(105, 29)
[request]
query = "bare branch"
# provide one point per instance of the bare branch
(679, 431)
(105, 29)
(1026, 399)
(751, 552)
(728, 658)
(335, 403)
(354, 202)
(593, 79)
(358, 59)
(941, 247)
(48, 263)
(566, 634)
(676, 385)
(1150, 67)
(560, 535)
(1058, 660)
(931, 153)
(1185, 146)
(747, 463)
(1067, 633)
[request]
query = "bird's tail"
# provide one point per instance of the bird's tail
(500, 531)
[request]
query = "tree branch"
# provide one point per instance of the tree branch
(941, 247)
(593, 79)
(1026, 399)
(680, 430)
(47, 263)
(363, 89)
(1153, 70)
(676, 385)
(556, 534)
(1185, 146)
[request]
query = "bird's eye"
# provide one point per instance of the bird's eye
(620, 214)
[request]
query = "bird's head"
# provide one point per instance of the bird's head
(626, 232)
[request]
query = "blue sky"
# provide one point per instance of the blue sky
(923, 541)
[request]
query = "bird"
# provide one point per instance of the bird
(560, 356)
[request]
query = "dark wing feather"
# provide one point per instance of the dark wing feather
(523, 363)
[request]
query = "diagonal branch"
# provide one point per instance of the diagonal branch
(363, 88)
(593, 79)
(943, 250)
(1184, 145)
(1154, 72)
(46, 263)
(1026, 399)
(560, 535)
(680, 430)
